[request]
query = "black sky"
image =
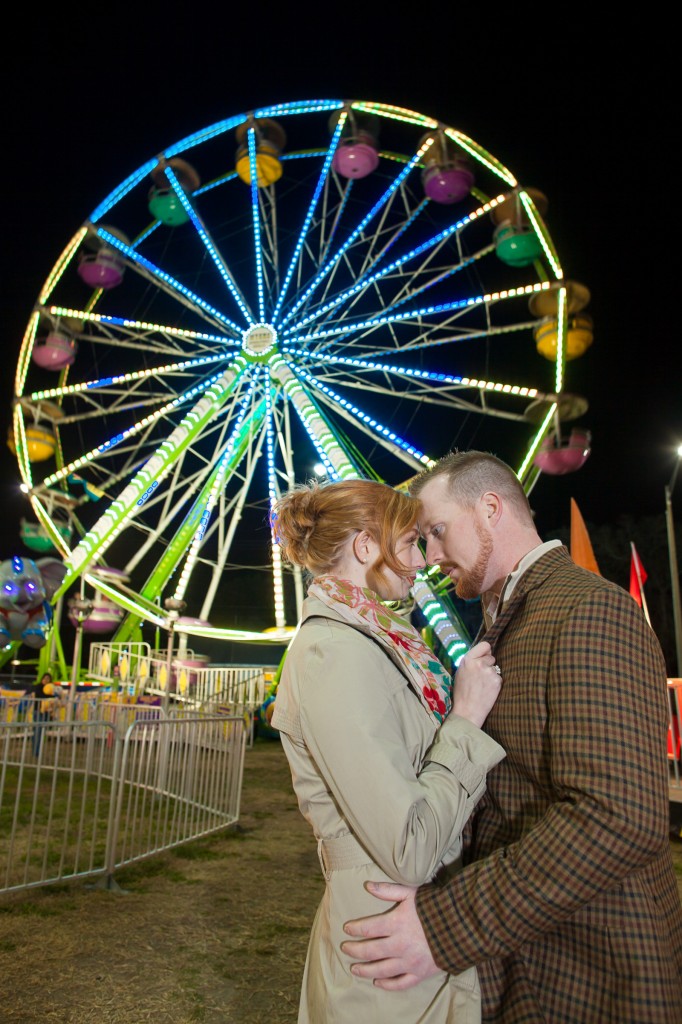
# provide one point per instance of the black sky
(583, 119)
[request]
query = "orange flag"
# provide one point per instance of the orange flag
(581, 546)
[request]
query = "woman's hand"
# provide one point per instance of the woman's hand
(478, 681)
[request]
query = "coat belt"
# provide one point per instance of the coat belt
(342, 852)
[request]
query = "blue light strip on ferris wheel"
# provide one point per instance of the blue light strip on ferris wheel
(311, 210)
(270, 440)
(123, 378)
(365, 281)
(210, 247)
(369, 421)
(326, 269)
(441, 307)
(307, 107)
(144, 325)
(255, 209)
(378, 321)
(135, 257)
(123, 189)
(436, 378)
(205, 134)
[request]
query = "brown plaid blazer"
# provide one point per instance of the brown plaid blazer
(569, 903)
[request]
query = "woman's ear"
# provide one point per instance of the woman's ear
(362, 546)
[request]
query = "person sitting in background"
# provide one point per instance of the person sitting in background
(386, 763)
(43, 694)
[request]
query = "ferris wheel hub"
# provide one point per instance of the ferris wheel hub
(259, 339)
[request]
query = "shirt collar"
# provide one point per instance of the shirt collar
(492, 608)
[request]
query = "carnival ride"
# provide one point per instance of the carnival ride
(334, 281)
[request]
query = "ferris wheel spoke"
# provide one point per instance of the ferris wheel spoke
(162, 339)
(256, 223)
(167, 283)
(422, 385)
(367, 423)
(381, 202)
(232, 455)
(355, 334)
(113, 385)
(107, 449)
(210, 246)
(307, 220)
(333, 211)
(231, 514)
(330, 451)
(148, 478)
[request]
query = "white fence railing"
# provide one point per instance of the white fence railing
(181, 675)
(81, 797)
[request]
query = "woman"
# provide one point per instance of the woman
(360, 702)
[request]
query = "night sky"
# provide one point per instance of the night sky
(581, 119)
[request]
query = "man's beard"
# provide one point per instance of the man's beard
(470, 583)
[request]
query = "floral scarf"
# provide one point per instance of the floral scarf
(360, 607)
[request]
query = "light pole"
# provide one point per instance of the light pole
(80, 607)
(672, 551)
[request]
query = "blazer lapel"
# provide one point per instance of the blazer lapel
(532, 577)
(501, 622)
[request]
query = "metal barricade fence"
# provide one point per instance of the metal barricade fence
(139, 671)
(82, 797)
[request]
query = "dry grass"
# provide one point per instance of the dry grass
(214, 932)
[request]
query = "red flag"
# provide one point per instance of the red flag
(581, 546)
(638, 577)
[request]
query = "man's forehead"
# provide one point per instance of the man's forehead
(437, 502)
(436, 492)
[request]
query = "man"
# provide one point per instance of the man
(568, 904)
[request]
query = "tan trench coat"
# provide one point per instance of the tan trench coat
(381, 805)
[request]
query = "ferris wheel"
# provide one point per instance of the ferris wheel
(335, 282)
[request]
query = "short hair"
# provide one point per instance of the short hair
(470, 474)
(313, 522)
